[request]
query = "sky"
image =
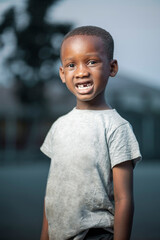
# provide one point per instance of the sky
(134, 26)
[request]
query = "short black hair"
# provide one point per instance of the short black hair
(94, 31)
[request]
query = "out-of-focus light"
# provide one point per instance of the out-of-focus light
(45, 52)
(56, 41)
(46, 69)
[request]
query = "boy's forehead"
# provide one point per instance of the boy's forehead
(83, 40)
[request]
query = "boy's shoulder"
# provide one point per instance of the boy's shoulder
(63, 117)
(111, 119)
(116, 119)
(61, 120)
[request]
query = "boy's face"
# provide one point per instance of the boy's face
(86, 68)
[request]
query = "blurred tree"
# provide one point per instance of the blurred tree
(35, 48)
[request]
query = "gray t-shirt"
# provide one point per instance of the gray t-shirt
(84, 146)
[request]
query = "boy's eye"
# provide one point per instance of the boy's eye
(91, 62)
(71, 65)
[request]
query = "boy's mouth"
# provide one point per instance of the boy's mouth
(84, 87)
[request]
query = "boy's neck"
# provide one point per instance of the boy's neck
(93, 105)
(107, 107)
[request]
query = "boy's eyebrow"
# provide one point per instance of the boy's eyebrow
(87, 54)
(68, 59)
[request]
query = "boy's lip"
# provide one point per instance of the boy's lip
(84, 87)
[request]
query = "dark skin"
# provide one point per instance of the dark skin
(85, 63)
(44, 233)
(123, 195)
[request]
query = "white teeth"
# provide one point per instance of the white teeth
(84, 86)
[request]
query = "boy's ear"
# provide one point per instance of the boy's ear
(113, 67)
(61, 74)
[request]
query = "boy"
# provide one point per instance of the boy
(93, 149)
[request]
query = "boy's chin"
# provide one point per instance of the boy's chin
(85, 99)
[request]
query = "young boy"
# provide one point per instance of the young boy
(93, 150)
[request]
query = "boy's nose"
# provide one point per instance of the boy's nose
(81, 72)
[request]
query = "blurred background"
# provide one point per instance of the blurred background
(32, 97)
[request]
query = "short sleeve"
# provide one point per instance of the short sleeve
(123, 145)
(47, 145)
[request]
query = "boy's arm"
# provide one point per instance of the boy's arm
(44, 232)
(123, 195)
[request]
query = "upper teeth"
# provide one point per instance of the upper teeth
(84, 86)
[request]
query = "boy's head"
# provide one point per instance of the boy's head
(94, 31)
(87, 62)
